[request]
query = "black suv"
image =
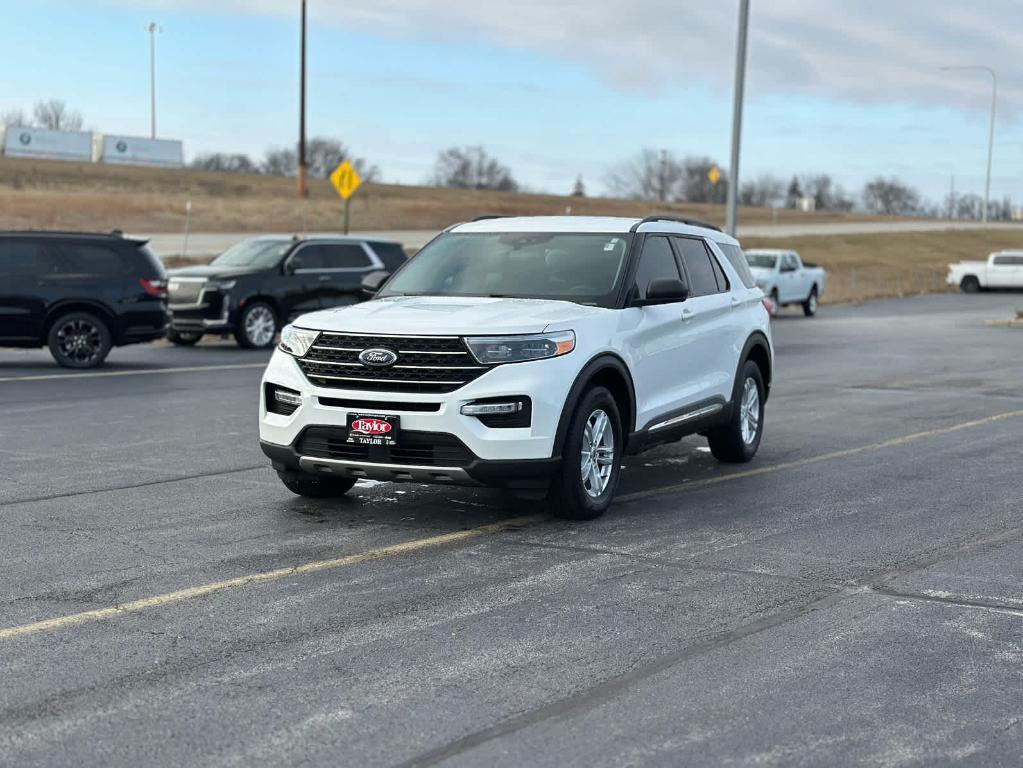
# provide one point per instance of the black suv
(252, 289)
(80, 294)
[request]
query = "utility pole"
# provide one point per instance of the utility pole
(152, 29)
(740, 83)
(303, 190)
(952, 198)
(991, 131)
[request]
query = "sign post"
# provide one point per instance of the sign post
(345, 179)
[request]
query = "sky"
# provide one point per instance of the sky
(554, 89)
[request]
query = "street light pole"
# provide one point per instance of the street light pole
(303, 190)
(740, 82)
(153, 29)
(991, 132)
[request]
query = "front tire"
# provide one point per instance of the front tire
(79, 340)
(183, 338)
(810, 305)
(257, 326)
(314, 486)
(591, 459)
(970, 284)
(737, 441)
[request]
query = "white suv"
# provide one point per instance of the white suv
(526, 353)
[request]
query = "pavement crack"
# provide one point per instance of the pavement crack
(131, 486)
(948, 599)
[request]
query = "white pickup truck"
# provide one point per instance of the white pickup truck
(1003, 269)
(786, 279)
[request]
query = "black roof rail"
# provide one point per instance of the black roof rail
(676, 219)
(486, 216)
(60, 233)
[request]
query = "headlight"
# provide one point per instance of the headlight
(296, 341)
(492, 350)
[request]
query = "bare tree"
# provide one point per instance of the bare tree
(579, 190)
(698, 187)
(649, 175)
(14, 118)
(323, 155)
(794, 194)
(472, 168)
(764, 192)
(225, 163)
(891, 197)
(54, 115)
(827, 196)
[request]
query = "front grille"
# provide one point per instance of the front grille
(428, 449)
(184, 291)
(378, 405)
(424, 364)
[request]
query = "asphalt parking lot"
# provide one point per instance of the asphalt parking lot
(851, 597)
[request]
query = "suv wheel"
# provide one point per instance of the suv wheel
(591, 459)
(970, 284)
(737, 441)
(314, 486)
(257, 326)
(810, 305)
(79, 340)
(183, 338)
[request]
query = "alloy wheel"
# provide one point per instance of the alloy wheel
(598, 453)
(260, 325)
(749, 411)
(79, 341)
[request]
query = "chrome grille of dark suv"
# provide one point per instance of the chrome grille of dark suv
(181, 291)
(424, 364)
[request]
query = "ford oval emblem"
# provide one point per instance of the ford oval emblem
(378, 357)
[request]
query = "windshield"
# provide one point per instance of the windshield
(584, 268)
(765, 260)
(253, 253)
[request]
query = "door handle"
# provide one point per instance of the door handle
(736, 301)
(324, 278)
(687, 314)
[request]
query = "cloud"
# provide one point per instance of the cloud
(864, 51)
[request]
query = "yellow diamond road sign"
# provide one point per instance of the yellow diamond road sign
(345, 179)
(714, 175)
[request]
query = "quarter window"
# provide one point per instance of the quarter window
(738, 261)
(703, 280)
(658, 262)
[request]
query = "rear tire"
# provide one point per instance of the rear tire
(737, 441)
(79, 340)
(314, 486)
(257, 326)
(970, 284)
(810, 305)
(183, 338)
(591, 459)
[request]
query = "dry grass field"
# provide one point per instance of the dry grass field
(862, 267)
(84, 196)
(37, 194)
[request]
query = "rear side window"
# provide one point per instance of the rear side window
(89, 259)
(20, 257)
(699, 264)
(309, 257)
(657, 262)
(737, 259)
(345, 257)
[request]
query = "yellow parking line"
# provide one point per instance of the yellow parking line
(150, 371)
(417, 545)
(260, 578)
(892, 443)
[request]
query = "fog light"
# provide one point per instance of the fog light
(288, 397)
(281, 400)
(491, 409)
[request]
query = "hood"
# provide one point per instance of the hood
(210, 271)
(449, 316)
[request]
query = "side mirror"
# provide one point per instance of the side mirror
(787, 268)
(374, 281)
(665, 290)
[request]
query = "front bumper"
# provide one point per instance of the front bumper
(517, 457)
